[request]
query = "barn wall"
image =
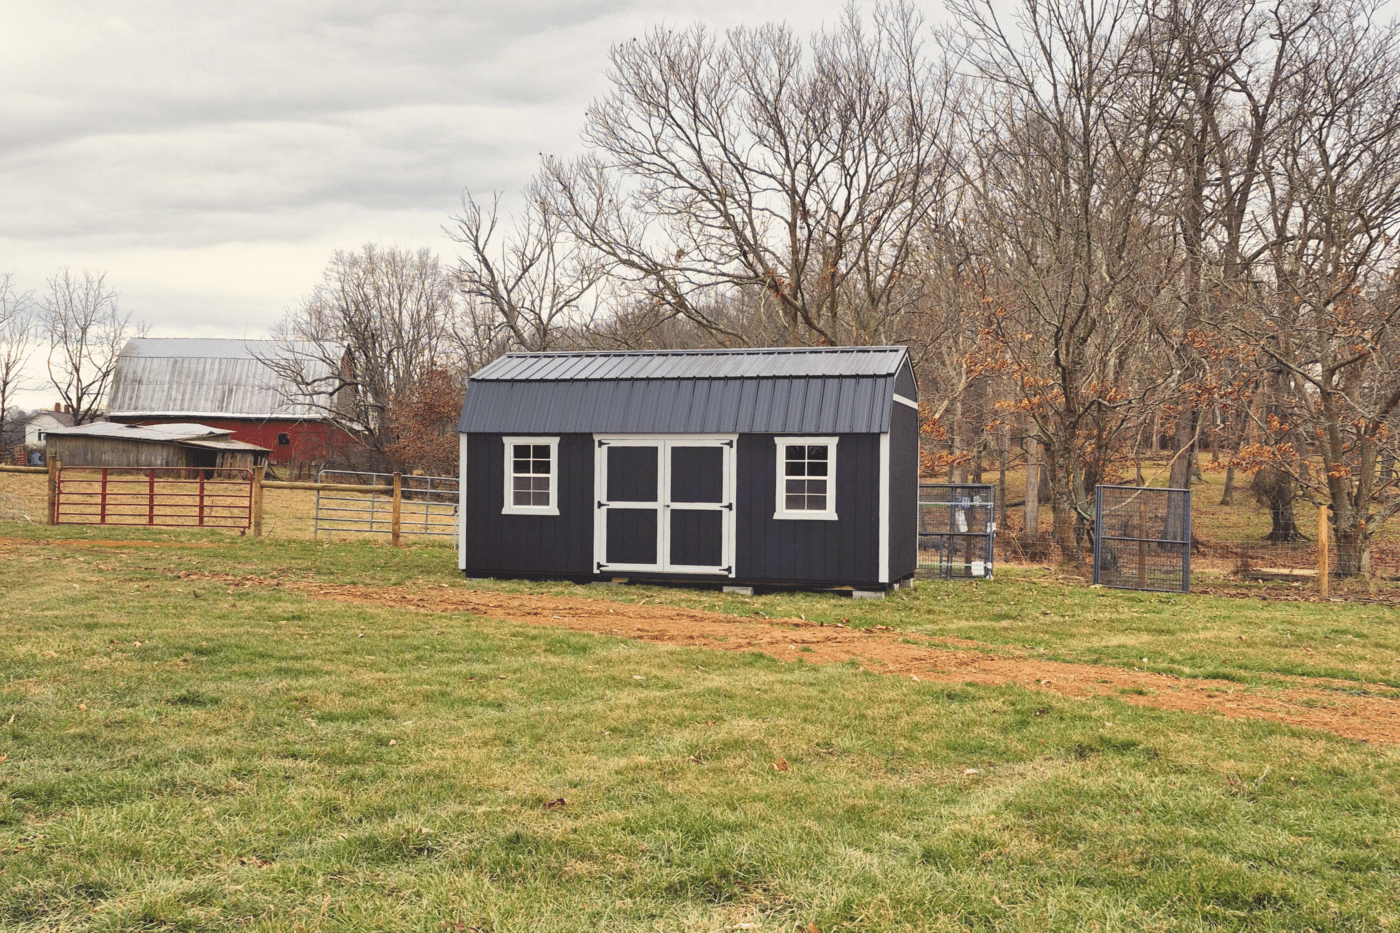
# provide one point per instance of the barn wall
(311, 441)
(839, 552)
(904, 491)
(79, 451)
(528, 544)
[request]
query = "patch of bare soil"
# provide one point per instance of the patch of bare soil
(1367, 712)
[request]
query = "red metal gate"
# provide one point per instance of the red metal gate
(175, 497)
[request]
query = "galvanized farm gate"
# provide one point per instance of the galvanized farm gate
(427, 505)
(957, 529)
(1142, 538)
(173, 497)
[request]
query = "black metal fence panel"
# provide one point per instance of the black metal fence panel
(1142, 538)
(957, 528)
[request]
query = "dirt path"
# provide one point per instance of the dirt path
(1313, 703)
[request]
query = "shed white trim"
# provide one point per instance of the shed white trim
(508, 504)
(462, 475)
(781, 510)
(884, 531)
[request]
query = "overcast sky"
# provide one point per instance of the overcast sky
(209, 157)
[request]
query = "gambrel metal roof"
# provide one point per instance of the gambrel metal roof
(210, 377)
(837, 390)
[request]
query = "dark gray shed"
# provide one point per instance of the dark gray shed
(771, 467)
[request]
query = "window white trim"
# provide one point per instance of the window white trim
(508, 507)
(780, 498)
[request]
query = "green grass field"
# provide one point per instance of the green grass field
(180, 752)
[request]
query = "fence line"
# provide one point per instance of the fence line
(172, 497)
(422, 505)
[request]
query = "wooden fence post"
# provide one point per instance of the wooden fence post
(398, 504)
(257, 503)
(55, 465)
(1322, 561)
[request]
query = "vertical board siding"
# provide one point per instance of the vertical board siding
(904, 491)
(845, 551)
(512, 544)
(904, 383)
(697, 474)
(697, 537)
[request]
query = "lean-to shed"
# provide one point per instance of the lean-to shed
(786, 467)
(191, 446)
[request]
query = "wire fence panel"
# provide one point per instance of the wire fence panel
(1142, 538)
(172, 497)
(957, 528)
(427, 505)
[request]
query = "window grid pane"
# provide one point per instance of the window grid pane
(530, 475)
(805, 477)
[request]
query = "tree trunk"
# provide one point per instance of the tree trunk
(1030, 509)
(1003, 455)
(1353, 547)
(1228, 496)
(1064, 497)
(956, 469)
(1182, 466)
(1276, 490)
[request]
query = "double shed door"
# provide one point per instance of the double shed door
(664, 503)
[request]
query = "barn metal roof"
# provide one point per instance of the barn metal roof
(209, 377)
(840, 390)
(137, 432)
(189, 435)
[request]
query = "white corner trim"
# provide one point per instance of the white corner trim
(462, 502)
(907, 401)
(884, 531)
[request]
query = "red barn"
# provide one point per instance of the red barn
(229, 384)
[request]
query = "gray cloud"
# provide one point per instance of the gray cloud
(209, 156)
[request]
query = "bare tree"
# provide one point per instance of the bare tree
(1331, 223)
(733, 164)
(85, 329)
(1068, 176)
(18, 338)
(378, 322)
(529, 287)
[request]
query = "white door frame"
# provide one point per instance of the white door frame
(728, 443)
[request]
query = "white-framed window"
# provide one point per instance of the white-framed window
(532, 476)
(806, 478)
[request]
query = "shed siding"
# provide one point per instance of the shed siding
(904, 491)
(528, 544)
(904, 383)
(845, 551)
